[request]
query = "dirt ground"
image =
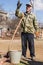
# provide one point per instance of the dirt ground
(8, 45)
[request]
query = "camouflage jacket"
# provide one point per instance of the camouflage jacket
(29, 22)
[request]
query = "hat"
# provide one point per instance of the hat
(29, 4)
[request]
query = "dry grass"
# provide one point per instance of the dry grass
(6, 45)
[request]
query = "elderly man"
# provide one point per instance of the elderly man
(28, 26)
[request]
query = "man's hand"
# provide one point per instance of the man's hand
(37, 34)
(19, 4)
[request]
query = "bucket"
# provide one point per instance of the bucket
(15, 56)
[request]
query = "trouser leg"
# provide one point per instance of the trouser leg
(31, 44)
(24, 44)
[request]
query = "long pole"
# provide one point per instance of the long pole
(32, 2)
(16, 29)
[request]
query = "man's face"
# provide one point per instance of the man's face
(28, 8)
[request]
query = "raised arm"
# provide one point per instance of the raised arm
(17, 12)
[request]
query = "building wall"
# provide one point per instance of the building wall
(3, 16)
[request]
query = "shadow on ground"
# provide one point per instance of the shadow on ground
(35, 63)
(31, 63)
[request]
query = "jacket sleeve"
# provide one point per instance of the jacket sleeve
(18, 13)
(35, 23)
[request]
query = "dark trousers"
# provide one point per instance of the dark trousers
(27, 37)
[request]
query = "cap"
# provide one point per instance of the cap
(29, 4)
